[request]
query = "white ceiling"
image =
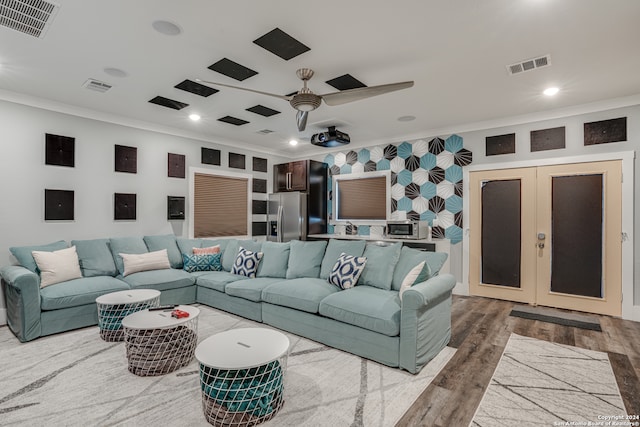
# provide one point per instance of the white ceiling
(455, 51)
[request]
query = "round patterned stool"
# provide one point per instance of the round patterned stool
(242, 376)
(115, 306)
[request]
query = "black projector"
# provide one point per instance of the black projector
(330, 138)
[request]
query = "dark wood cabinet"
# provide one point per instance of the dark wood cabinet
(292, 176)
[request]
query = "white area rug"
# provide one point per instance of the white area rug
(539, 383)
(77, 379)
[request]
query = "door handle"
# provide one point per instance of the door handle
(541, 237)
(288, 180)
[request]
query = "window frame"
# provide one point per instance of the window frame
(373, 174)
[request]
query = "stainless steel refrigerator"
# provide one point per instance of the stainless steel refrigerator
(287, 216)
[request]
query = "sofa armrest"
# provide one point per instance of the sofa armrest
(22, 294)
(424, 293)
(425, 321)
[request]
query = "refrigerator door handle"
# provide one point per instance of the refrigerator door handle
(279, 222)
(288, 180)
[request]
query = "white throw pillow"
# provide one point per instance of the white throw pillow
(134, 263)
(419, 273)
(57, 266)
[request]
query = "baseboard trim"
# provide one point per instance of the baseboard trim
(3, 316)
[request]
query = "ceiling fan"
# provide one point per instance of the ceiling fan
(305, 100)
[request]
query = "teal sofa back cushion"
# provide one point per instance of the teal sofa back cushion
(381, 261)
(24, 257)
(186, 245)
(275, 260)
(126, 245)
(95, 257)
(231, 251)
(168, 242)
(333, 251)
(305, 259)
(409, 258)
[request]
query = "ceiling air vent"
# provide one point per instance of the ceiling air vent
(32, 17)
(529, 64)
(96, 85)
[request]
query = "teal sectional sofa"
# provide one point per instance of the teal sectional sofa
(290, 292)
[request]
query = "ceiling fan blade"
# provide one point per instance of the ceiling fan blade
(350, 95)
(286, 98)
(301, 120)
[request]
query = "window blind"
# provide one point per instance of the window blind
(362, 199)
(220, 206)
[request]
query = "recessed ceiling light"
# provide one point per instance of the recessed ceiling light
(167, 28)
(550, 91)
(293, 142)
(194, 117)
(115, 72)
(406, 118)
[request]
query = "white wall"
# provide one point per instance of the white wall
(24, 176)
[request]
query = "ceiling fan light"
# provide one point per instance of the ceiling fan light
(305, 101)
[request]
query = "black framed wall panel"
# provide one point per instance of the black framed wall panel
(259, 185)
(175, 208)
(124, 206)
(259, 164)
(548, 139)
(209, 156)
(126, 159)
(237, 161)
(59, 205)
(175, 165)
(59, 150)
(605, 131)
(500, 144)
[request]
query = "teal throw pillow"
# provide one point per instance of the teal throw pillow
(347, 270)
(209, 262)
(246, 263)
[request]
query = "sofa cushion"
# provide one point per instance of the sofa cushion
(204, 262)
(275, 259)
(229, 254)
(305, 259)
(77, 292)
(250, 289)
(161, 280)
(370, 308)
(333, 251)
(186, 245)
(24, 257)
(246, 263)
(302, 294)
(347, 271)
(218, 280)
(126, 245)
(95, 257)
(57, 266)
(168, 242)
(409, 258)
(135, 263)
(381, 261)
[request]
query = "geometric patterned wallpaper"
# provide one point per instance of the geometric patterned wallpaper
(426, 180)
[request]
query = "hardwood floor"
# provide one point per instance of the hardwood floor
(480, 330)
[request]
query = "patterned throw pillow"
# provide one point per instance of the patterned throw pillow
(347, 270)
(246, 263)
(207, 251)
(207, 262)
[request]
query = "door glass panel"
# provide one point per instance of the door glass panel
(501, 233)
(576, 252)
